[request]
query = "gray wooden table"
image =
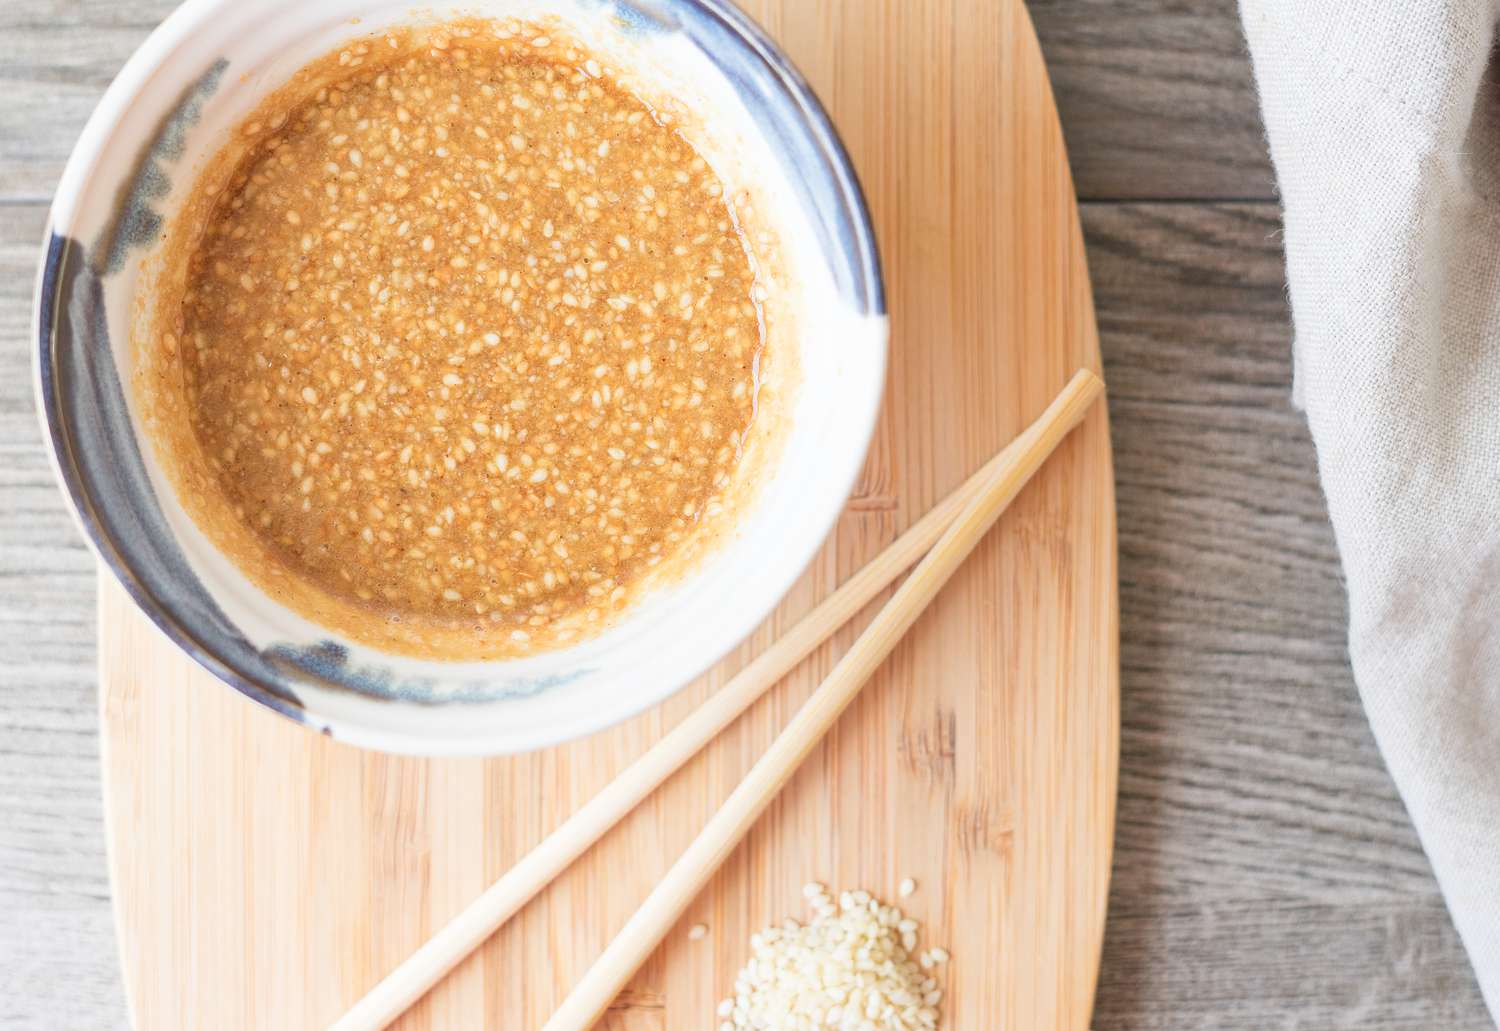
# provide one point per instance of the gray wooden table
(1266, 874)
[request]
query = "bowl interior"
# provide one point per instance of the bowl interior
(195, 79)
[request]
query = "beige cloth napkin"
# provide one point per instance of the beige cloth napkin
(1384, 126)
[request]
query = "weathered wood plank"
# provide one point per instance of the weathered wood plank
(1275, 963)
(1155, 97)
(57, 947)
(1265, 871)
(43, 563)
(56, 58)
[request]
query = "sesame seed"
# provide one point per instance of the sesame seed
(850, 966)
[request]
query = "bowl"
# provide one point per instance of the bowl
(173, 104)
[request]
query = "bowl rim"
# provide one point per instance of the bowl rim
(145, 62)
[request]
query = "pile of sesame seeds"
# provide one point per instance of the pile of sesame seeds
(853, 967)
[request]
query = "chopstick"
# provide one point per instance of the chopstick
(999, 479)
(665, 904)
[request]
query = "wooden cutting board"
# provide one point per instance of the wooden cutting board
(265, 877)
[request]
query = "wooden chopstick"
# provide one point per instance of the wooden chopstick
(992, 487)
(663, 907)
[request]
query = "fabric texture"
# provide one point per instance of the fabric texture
(1384, 126)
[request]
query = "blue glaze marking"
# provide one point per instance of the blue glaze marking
(329, 662)
(136, 223)
(640, 16)
(96, 450)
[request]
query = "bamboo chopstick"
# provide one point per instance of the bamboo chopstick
(466, 931)
(665, 904)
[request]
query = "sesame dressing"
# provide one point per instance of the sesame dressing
(471, 334)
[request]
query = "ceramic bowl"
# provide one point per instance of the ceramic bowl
(170, 107)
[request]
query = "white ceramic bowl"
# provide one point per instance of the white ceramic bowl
(168, 110)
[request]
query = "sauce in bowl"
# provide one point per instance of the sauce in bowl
(468, 337)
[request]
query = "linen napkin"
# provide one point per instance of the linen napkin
(1384, 124)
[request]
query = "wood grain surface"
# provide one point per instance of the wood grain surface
(979, 760)
(1265, 873)
(1160, 90)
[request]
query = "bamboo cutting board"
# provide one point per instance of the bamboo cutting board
(265, 877)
